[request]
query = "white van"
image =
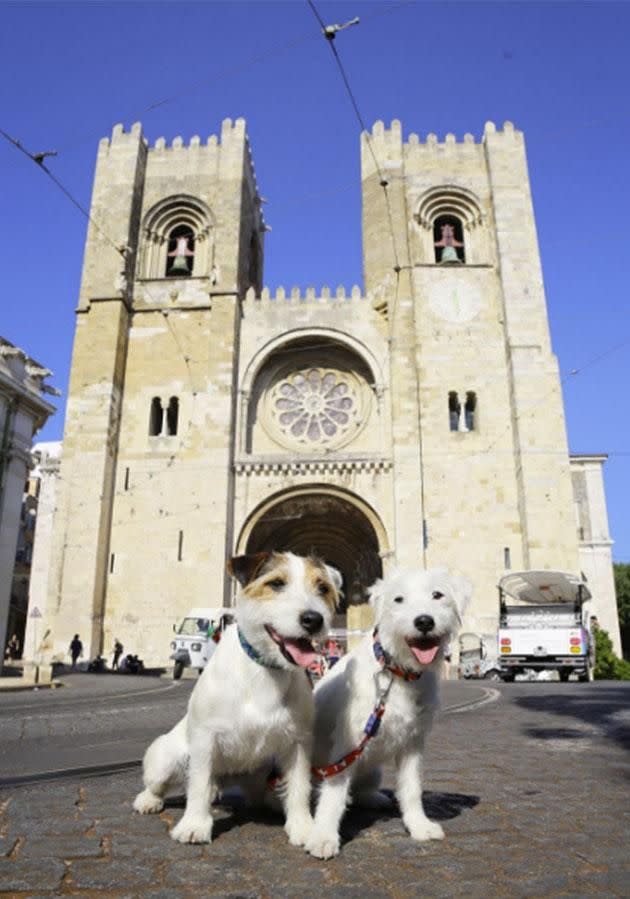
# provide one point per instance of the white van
(191, 646)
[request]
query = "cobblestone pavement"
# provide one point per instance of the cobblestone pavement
(531, 791)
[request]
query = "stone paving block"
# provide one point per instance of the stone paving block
(22, 874)
(65, 847)
(106, 874)
(202, 872)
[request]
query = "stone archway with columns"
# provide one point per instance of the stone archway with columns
(329, 522)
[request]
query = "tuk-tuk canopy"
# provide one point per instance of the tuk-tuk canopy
(543, 587)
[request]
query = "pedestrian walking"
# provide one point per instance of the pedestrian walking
(118, 650)
(76, 650)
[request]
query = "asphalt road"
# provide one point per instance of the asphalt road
(531, 789)
(100, 720)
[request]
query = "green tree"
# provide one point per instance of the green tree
(622, 589)
(608, 666)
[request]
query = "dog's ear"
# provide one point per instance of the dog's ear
(462, 592)
(245, 568)
(335, 577)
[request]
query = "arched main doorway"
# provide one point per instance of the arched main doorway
(337, 527)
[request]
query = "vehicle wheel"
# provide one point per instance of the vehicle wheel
(564, 675)
(178, 670)
(587, 677)
(493, 674)
(508, 677)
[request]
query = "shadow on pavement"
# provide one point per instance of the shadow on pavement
(233, 812)
(604, 708)
(438, 807)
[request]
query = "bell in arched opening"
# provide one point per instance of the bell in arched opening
(181, 252)
(449, 247)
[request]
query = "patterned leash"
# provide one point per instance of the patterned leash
(388, 671)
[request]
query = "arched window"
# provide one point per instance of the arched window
(177, 241)
(470, 411)
(172, 414)
(454, 411)
(448, 239)
(181, 252)
(451, 219)
(156, 417)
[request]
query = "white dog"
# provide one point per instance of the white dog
(392, 675)
(253, 702)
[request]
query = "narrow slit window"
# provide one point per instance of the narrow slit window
(454, 411)
(156, 418)
(180, 546)
(470, 411)
(448, 239)
(172, 416)
(181, 252)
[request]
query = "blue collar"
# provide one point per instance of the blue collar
(253, 653)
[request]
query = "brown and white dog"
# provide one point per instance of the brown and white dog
(253, 703)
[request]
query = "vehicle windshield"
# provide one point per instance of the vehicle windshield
(192, 627)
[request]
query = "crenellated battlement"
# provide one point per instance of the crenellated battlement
(380, 135)
(296, 297)
(230, 130)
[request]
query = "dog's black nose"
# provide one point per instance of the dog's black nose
(311, 621)
(424, 623)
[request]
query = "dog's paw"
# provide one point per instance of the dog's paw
(324, 845)
(192, 829)
(423, 829)
(147, 803)
(298, 829)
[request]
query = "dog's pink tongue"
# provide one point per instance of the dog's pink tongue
(425, 656)
(300, 651)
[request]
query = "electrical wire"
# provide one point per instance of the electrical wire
(224, 74)
(38, 159)
(330, 39)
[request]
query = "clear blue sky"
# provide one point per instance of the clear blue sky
(560, 71)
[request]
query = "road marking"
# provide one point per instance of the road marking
(490, 695)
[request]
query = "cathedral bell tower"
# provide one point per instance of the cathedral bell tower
(451, 258)
(176, 239)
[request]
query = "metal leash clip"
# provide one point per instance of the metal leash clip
(382, 691)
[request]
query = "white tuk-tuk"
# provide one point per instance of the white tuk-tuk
(545, 627)
(192, 647)
(473, 659)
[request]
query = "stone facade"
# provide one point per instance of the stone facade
(23, 410)
(595, 545)
(43, 481)
(418, 421)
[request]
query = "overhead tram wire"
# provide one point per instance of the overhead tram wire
(38, 159)
(329, 32)
(231, 71)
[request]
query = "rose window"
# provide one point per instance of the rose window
(315, 406)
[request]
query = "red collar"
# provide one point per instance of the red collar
(384, 660)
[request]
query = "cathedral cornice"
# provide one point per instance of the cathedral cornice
(337, 465)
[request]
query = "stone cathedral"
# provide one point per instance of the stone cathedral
(417, 421)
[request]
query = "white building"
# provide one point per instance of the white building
(23, 410)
